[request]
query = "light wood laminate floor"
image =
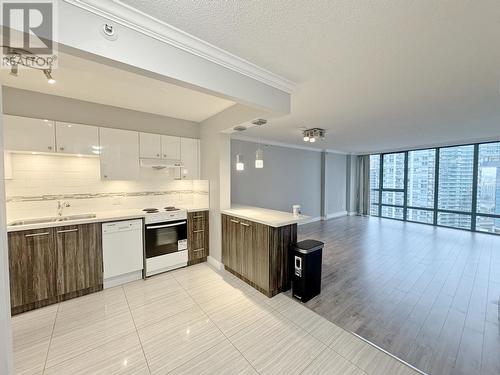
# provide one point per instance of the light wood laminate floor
(428, 295)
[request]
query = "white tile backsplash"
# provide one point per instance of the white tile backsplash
(37, 177)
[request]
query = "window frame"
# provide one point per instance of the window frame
(474, 214)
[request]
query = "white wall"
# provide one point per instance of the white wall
(38, 181)
(335, 184)
(290, 176)
(37, 105)
(5, 326)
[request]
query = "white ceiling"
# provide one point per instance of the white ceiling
(378, 75)
(92, 81)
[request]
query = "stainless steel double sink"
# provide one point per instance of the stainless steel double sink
(51, 219)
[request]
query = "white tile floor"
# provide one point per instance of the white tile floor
(190, 321)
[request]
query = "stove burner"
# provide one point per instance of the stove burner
(150, 210)
(171, 208)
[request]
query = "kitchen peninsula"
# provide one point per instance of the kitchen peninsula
(255, 246)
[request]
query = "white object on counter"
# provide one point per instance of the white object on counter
(123, 254)
(265, 216)
(296, 209)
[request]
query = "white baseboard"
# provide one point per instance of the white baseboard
(311, 220)
(215, 263)
(335, 214)
(122, 279)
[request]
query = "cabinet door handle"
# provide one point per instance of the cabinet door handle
(61, 148)
(67, 230)
(199, 231)
(37, 234)
(201, 249)
(245, 225)
(50, 147)
(234, 221)
(197, 217)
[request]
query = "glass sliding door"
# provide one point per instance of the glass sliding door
(488, 188)
(456, 169)
(420, 187)
(393, 185)
(374, 184)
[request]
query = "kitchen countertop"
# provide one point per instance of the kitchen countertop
(265, 216)
(101, 217)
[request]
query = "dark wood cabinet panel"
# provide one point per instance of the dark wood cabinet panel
(54, 264)
(280, 240)
(79, 257)
(258, 253)
(33, 266)
(198, 236)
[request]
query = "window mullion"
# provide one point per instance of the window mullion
(474, 187)
(436, 186)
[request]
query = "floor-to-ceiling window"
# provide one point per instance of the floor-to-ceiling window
(393, 186)
(374, 184)
(421, 186)
(488, 188)
(456, 186)
(456, 168)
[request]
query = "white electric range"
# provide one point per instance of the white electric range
(165, 240)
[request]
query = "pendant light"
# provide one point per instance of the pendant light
(240, 165)
(259, 154)
(259, 158)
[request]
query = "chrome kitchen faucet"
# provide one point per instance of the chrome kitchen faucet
(60, 207)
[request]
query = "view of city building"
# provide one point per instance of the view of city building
(438, 186)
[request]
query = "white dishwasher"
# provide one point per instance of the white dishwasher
(123, 254)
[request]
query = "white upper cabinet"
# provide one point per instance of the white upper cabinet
(190, 151)
(77, 139)
(119, 154)
(150, 145)
(171, 147)
(29, 134)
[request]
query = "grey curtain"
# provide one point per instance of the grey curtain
(364, 185)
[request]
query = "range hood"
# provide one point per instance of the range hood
(160, 163)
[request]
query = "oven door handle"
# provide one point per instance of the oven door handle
(165, 226)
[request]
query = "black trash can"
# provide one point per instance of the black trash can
(306, 269)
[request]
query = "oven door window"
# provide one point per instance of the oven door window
(165, 238)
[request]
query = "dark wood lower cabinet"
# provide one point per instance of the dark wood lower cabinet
(198, 237)
(54, 264)
(32, 267)
(79, 257)
(257, 253)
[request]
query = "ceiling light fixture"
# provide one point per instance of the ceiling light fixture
(240, 165)
(48, 74)
(22, 57)
(311, 135)
(259, 154)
